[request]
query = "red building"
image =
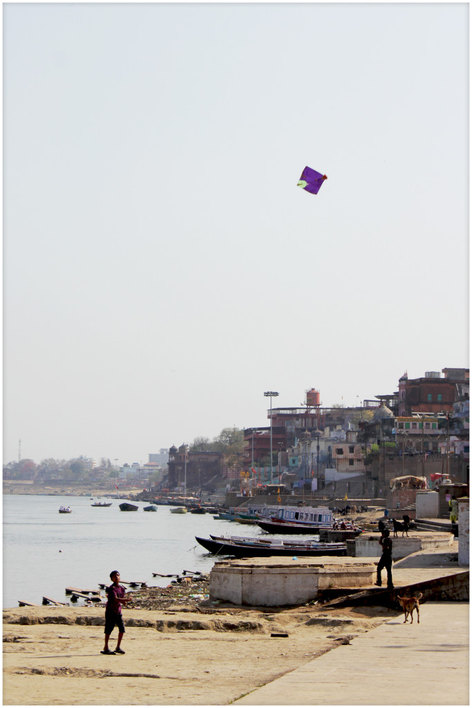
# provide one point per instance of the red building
(432, 393)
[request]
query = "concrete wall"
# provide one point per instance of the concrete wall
(427, 505)
(464, 531)
(281, 586)
(367, 546)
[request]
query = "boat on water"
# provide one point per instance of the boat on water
(101, 503)
(244, 547)
(178, 510)
(334, 532)
(151, 507)
(65, 510)
(197, 510)
(243, 517)
(125, 506)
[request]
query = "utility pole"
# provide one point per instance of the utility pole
(271, 394)
(19, 450)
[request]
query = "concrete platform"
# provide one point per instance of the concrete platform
(283, 581)
(393, 664)
(286, 580)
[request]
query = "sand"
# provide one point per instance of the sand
(212, 656)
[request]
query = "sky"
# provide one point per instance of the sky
(161, 267)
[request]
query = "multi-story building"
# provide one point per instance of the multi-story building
(418, 433)
(193, 469)
(432, 393)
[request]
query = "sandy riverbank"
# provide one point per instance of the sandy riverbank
(205, 655)
(28, 487)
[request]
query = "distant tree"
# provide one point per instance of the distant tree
(201, 444)
(79, 466)
(230, 442)
(24, 469)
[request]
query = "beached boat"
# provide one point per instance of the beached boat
(125, 506)
(65, 510)
(243, 547)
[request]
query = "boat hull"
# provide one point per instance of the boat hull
(128, 507)
(219, 547)
(286, 527)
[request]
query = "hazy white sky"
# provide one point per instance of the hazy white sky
(161, 267)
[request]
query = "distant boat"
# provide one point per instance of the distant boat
(178, 510)
(252, 547)
(65, 510)
(151, 507)
(128, 507)
(101, 503)
(197, 510)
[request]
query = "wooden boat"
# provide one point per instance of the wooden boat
(178, 510)
(125, 506)
(248, 547)
(65, 510)
(151, 507)
(197, 510)
(101, 503)
(326, 533)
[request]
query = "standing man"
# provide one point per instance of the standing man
(113, 616)
(385, 559)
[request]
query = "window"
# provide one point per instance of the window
(407, 426)
(400, 426)
(414, 425)
(427, 425)
(435, 425)
(339, 451)
(430, 397)
(351, 462)
(351, 448)
(439, 397)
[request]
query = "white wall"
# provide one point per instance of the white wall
(427, 505)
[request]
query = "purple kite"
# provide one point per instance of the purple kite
(311, 180)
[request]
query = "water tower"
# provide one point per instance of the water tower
(313, 398)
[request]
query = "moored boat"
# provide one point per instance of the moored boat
(334, 532)
(65, 510)
(253, 547)
(151, 507)
(125, 506)
(178, 510)
(101, 503)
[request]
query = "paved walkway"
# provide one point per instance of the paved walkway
(393, 664)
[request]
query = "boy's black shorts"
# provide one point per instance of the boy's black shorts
(113, 619)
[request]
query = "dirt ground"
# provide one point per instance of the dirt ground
(182, 655)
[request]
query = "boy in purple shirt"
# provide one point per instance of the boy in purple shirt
(113, 616)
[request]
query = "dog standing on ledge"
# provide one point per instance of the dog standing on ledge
(409, 604)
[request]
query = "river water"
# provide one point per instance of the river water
(44, 551)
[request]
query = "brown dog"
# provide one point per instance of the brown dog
(408, 604)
